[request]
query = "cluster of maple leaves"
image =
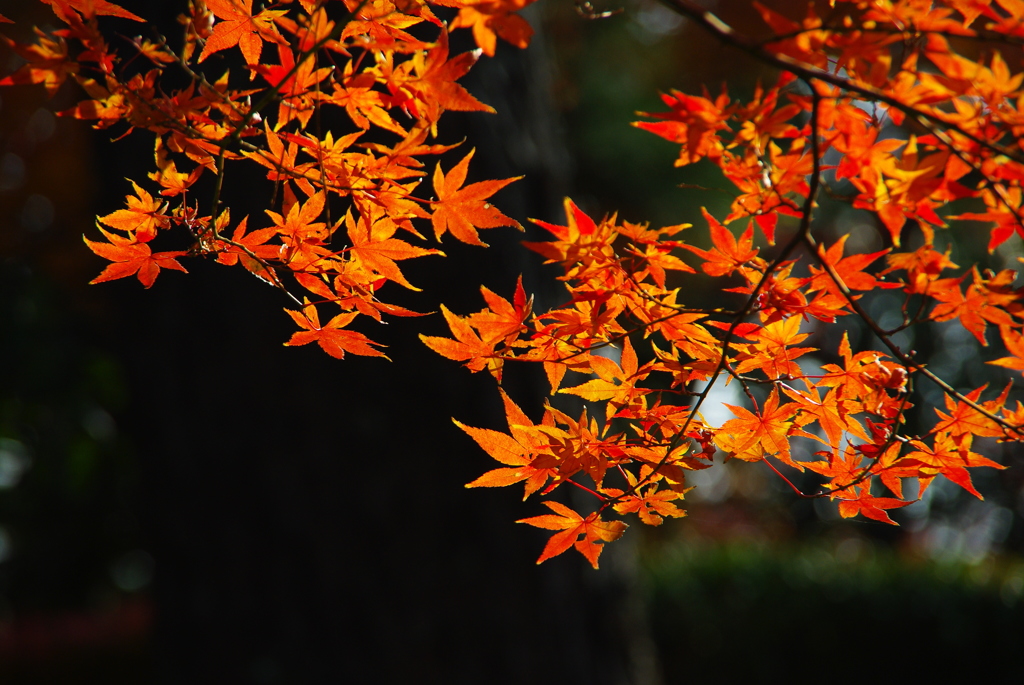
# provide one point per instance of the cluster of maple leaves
(340, 200)
(356, 58)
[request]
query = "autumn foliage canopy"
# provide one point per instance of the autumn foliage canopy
(251, 85)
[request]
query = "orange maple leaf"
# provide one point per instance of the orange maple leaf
(773, 352)
(949, 456)
(503, 320)
(849, 269)
(965, 420)
(426, 87)
(375, 249)
(751, 436)
(131, 257)
(331, 337)
(239, 27)
(862, 502)
(504, 449)
(986, 300)
(592, 528)
(492, 19)
(526, 449)
(830, 414)
(728, 253)
(174, 182)
(364, 105)
(614, 383)
(46, 62)
(468, 347)
(66, 9)
(1014, 342)
(462, 210)
(842, 469)
(650, 506)
(694, 122)
(142, 218)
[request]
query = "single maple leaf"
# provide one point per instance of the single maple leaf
(434, 84)
(658, 260)
(829, 413)
(66, 9)
(174, 182)
(843, 470)
(923, 267)
(504, 449)
(503, 320)
(651, 506)
(332, 336)
(46, 63)
(467, 347)
(492, 19)
(238, 26)
(462, 210)
(142, 218)
(582, 246)
(753, 435)
(131, 257)
(157, 53)
(986, 300)
(1014, 342)
(592, 528)
(849, 269)
(949, 456)
(364, 105)
(728, 254)
(862, 502)
(964, 419)
(304, 238)
(614, 383)
(524, 449)
(694, 122)
(773, 352)
(375, 249)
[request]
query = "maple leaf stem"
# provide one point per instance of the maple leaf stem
(319, 149)
(787, 481)
(815, 181)
(271, 271)
(581, 486)
(218, 183)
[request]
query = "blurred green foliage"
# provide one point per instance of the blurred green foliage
(66, 471)
(842, 610)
